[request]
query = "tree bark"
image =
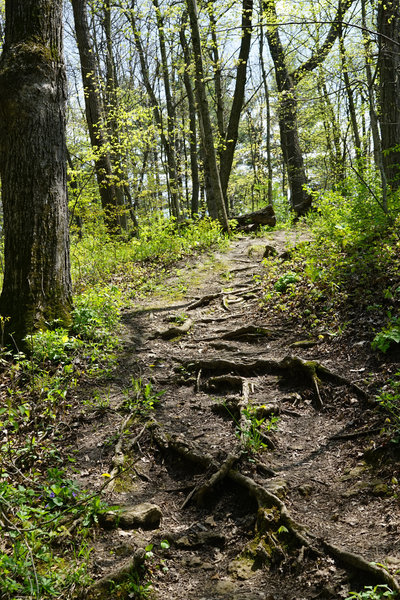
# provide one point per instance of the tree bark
(110, 201)
(216, 207)
(171, 118)
(300, 199)
(389, 88)
(37, 283)
(167, 143)
(231, 135)
(192, 124)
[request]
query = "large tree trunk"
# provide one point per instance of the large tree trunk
(37, 282)
(110, 200)
(389, 81)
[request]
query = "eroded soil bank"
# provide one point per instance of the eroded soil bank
(237, 505)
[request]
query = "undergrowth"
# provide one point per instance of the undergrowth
(348, 271)
(46, 520)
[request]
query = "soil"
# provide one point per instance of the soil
(330, 484)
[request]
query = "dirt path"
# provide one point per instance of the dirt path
(288, 501)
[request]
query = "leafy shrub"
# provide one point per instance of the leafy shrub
(96, 313)
(387, 336)
(285, 280)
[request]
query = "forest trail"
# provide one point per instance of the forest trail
(288, 511)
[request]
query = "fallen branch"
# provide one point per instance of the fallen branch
(117, 460)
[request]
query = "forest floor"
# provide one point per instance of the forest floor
(236, 505)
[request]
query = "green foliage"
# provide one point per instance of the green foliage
(37, 515)
(350, 263)
(285, 280)
(97, 313)
(373, 593)
(252, 431)
(388, 336)
(140, 398)
(97, 258)
(389, 399)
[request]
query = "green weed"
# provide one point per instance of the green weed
(373, 593)
(388, 336)
(140, 398)
(389, 400)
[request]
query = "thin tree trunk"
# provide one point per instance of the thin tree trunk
(214, 52)
(268, 109)
(300, 199)
(350, 98)
(167, 143)
(216, 207)
(389, 88)
(95, 118)
(231, 135)
(376, 140)
(174, 181)
(192, 124)
(37, 287)
(111, 102)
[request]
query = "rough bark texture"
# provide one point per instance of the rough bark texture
(389, 71)
(37, 282)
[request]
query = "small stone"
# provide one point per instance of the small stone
(305, 490)
(225, 587)
(146, 516)
(242, 568)
(381, 489)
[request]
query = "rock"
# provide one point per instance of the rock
(269, 251)
(305, 490)
(242, 567)
(146, 516)
(277, 487)
(225, 587)
(380, 489)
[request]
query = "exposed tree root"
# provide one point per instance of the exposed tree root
(292, 368)
(248, 333)
(118, 459)
(207, 488)
(266, 500)
(100, 590)
(358, 562)
(203, 301)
